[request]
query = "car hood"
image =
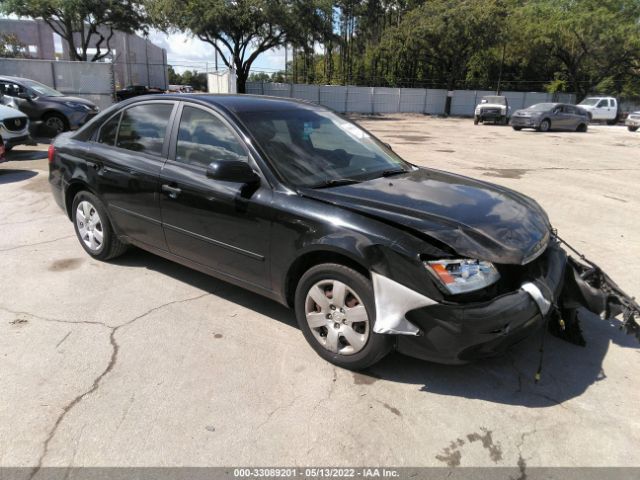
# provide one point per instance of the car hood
(476, 219)
(8, 112)
(65, 98)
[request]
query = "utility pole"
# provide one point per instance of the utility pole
(504, 47)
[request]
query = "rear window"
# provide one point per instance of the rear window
(143, 127)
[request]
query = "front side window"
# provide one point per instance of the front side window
(603, 104)
(108, 131)
(143, 127)
(203, 138)
(11, 89)
(313, 148)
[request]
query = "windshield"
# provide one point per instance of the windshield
(541, 107)
(589, 101)
(40, 89)
(315, 148)
(495, 100)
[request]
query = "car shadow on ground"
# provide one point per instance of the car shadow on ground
(23, 155)
(568, 370)
(9, 175)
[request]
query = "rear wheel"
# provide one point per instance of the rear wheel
(612, 121)
(476, 120)
(517, 129)
(93, 228)
(335, 310)
(582, 128)
(545, 126)
(632, 129)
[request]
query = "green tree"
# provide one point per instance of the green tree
(82, 24)
(10, 46)
(596, 43)
(174, 77)
(239, 30)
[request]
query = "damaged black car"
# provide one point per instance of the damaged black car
(301, 205)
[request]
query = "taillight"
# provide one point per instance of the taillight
(51, 153)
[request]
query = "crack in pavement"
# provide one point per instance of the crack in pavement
(115, 348)
(34, 244)
(522, 463)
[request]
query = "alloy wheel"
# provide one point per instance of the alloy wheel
(89, 226)
(337, 317)
(55, 123)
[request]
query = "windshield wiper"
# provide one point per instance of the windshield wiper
(335, 182)
(391, 172)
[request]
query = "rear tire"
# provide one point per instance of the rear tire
(517, 129)
(340, 328)
(582, 128)
(93, 228)
(632, 129)
(476, 120)
(612, 122)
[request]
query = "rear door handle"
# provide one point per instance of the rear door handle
(173, 192)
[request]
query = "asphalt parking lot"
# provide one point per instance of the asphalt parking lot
(142, 362)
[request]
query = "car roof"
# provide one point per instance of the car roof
(15, 79)
(237, 103)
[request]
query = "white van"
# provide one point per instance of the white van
(601, 108)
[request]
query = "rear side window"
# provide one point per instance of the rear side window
(108, 131)
(203, 138)
(143, 127)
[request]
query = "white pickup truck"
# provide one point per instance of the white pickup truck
(601, 108)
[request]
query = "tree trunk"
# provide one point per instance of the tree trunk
(241, 81)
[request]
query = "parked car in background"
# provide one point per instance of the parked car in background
(58, 112)
(601, 109)
(135, 91)
(551, 116)
(633, 121)
(14, 127)
(493, 108)
(289, 200)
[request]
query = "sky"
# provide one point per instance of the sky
(186, 53)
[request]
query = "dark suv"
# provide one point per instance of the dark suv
(41, 103)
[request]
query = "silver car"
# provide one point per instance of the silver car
(633, 121)
(551, 116)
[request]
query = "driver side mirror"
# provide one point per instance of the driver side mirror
(235, 171)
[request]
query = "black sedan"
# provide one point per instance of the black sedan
(298, 204)
(544, 117)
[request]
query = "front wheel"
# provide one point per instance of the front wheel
(476, 120)
(545, 126)
(335, 309)
(632, 129)
(93, 228)
(517, 129)
(56, 123)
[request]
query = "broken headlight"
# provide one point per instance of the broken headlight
(463, 275)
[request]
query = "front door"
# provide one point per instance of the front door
(126, 160)
(222, 225)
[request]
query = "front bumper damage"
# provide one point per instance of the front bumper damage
(452, 333)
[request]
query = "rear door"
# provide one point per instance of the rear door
(125, 159)
(222, 225)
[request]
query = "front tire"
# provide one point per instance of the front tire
(545, 126)
(517, 129)
(335, 309)
(56, 123)
(93, 228)
(632, 129)
(476, 120)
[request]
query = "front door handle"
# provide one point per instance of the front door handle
(173, 192)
